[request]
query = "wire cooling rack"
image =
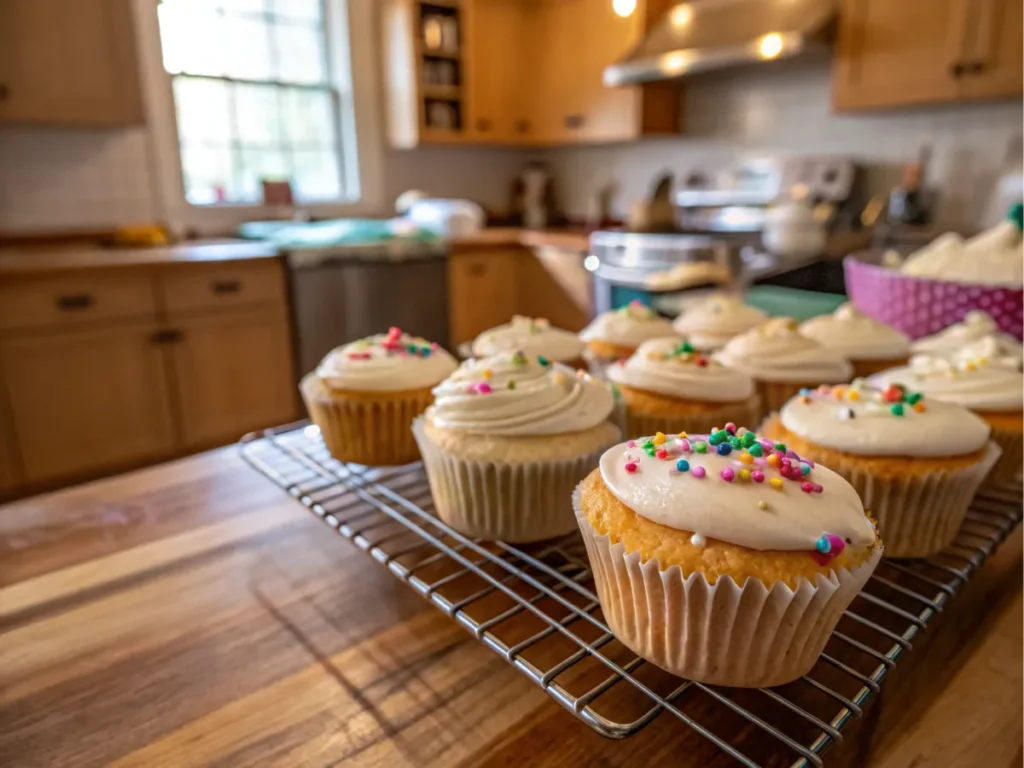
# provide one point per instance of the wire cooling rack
(535, 606)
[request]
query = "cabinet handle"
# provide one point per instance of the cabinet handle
(75, 302)
(973, 67)
(167, 336)
(483, 124)
(220, 287)
(574, 121)
(477, 270)
(957, 70)
(522, 126)
(5, 92)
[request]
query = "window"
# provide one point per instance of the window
(254, 99)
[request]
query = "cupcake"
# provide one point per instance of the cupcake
(782, 361)
(717, 565)
(507, 440)
(975, 326)
(713, 322)
(614, 335)
(364, 396)
(667, 386)
(534, 337)
(916, 462)
(980, 380)
(869, 345)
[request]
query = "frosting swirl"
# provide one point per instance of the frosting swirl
(869, 421)
(975, 326)
(510, 394)
(857, 336)
(992, 257)
(532, 336)
(388, 362)
(975, 384)
(673, 368)
(629, 326)
(775, 351)
(754, 502)
(714, 321)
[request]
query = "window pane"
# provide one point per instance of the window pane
(308, 118)
(300, 53)
(309, 10)
(207, 174)
(247, 42)
(258, 114)
(256, 165)
(202, 107)
(245, 6)
(317, 176)
(191, 37)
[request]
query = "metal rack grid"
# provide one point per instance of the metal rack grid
(536, 607)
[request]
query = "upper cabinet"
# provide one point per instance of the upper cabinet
(69, 62)
(926, 51)
(524, 72)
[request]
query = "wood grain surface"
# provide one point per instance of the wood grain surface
(193, 614)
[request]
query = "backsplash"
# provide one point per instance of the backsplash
(783, 109)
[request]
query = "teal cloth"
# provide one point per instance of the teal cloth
(792, 302)
(333, 232)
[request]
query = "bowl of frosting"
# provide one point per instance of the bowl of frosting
(938, 285)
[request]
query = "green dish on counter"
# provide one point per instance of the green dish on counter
(792, 302)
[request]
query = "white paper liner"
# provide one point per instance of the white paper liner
(919, 516)
(517, 502)
(722, 634)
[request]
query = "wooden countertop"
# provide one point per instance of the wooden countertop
(194, 614)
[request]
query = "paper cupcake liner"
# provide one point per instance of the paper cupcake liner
(918, 515)
(748, 636)
(746, 414)
(1008, 468)
(362, 431)
(517, 502)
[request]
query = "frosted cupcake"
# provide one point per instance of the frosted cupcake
(915, 462)
(535, 338)
(667, 386)
(782, 361)
(976, 326)
(364, 396)
(717, 565)
(507, 440)
(614, 335)
(869, 345)
(980, 380)
(712, 323)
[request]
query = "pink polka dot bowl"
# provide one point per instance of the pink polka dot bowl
(920, 307)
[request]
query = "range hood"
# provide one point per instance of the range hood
(712, 34)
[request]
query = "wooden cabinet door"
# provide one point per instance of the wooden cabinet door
(482, 292)
(9, 471)
(496, 70)
(609, 114)
(896, 52)
(553, 284)
(232, 374)
(560, 55)
(68, 61)
(994, 62)
(87, 401)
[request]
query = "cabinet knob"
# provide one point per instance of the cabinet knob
(574, 121)
(166, 336)
(75, 302)
(973, 67)
(220, 287)
(5, 92)
(957, 70)
(477, 270)
(522, 126)
(483, 124)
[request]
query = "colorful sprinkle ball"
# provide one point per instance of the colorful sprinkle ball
(762, 505)
(698, 541)
(698, 472)
(894, 398)
(632, 466)
(391, 343)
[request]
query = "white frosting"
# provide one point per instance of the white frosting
(994, 257)
(974, 384)
(867, 426)
(532, 336)
(386, 363)
(975, 326)
(711, 324)
(857, 336)
(731, 511)
(629, 326)
(510, 394)
(776, 351)
(672, 368)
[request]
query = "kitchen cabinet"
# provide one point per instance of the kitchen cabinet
(232, 375)
(10, 472)
(926, 51)
(554, 284)
(483, 287)
(69, 62)
(83, 401)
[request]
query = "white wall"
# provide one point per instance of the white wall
(783, 109)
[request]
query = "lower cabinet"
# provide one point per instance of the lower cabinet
(85, 401)
(232, 374)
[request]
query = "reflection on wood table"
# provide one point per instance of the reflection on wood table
(193, 614)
